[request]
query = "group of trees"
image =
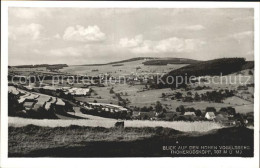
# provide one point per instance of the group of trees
(213, 96)
(181, 109)
(13, 105)
(98, 111)
(216, 96)
(222, 66)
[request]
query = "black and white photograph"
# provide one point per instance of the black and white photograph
(122, 82)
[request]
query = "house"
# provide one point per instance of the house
(78, 91)
(210, 115)
(188, 113)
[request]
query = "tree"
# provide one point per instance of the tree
(13, 104)
(161, 115)
(198, 112)
(210, 109)
(164, 110)
(180, 109)
(196, 97)
(191, 109)
(231, 111)
(144, 109)
(158, 107)
(111, 91)
(178, 95)
(163, 95)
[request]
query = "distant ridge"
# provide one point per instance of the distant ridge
(58, 66)
(219, 66)
(151, 61)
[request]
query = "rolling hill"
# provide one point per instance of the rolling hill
(151, 61)
(220, 66)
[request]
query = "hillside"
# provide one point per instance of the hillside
(151, 61)
(220, 66)
(48, 66)
(122, 61)
(75, 141)
(165, 61)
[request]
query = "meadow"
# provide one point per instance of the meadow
(198, 126)
(126, 69)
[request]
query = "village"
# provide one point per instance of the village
(53, 101)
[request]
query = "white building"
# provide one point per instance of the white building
(210, 115)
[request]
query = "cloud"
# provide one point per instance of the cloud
(177, 29)
(63, 52)
(170, 45)
(194, 27)
(242, 35)
(57, 36)
(243, 19)
(81, 34)
(29, 13)
(32, 31)
(238, 36)
(129, 43)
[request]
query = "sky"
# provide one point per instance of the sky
(77, 36)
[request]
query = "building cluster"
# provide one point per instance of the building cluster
(112, 108)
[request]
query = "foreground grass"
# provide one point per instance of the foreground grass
(78, 141)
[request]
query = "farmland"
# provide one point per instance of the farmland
(128, 68)
(198, 126)
(77, 119)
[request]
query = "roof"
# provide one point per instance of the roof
(109, 106)
(211, 114)
(189, 113)
(221, 118)
(79, 91)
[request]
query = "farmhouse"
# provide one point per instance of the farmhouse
(78, 91)
(210, 115)
(110, 107)
(188, 113)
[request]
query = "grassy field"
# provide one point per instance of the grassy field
(76, 141)
(199, 126)
(127, 68)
